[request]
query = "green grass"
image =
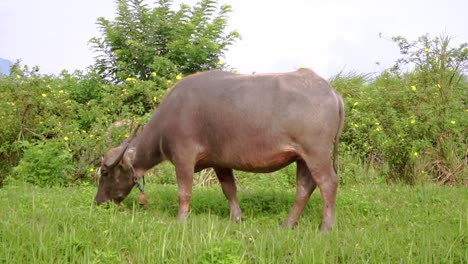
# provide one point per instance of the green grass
(375, 224)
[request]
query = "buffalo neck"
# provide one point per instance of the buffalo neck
(148, 148)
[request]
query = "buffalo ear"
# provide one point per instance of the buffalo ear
(126, 161)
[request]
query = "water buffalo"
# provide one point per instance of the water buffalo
(226, 121)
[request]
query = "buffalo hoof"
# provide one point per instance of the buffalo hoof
(238, 219)
(324, 229)
(288, 225)
(182, 217)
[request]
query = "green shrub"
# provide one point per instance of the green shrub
(414, 122)
(406, 124)
(34, 108)
(75, 109)
(46, 163)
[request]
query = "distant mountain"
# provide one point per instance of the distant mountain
(5, 66)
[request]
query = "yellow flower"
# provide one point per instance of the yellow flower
(91, 135)
(377, 123)
(124, 90)
(131, 80)
(438, 86)
(178, 77)
(453, 122)
(69, 150)
(220, 62)
(415, 154)
(13, 103)
(413, 87)
(413, 121)
(356, 125)
(153, 74)
(66, 138)
(18, 76)
(356, 103)
(44, 95)
(378, 129)
(91, 169)
(61, 92)
(155, 98)
(426, 49)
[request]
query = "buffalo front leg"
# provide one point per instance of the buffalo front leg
(184, 175)
(228, 184)
(305, 187)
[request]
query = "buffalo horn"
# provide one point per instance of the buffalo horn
(114, 160)
(131, 137)
(111, 163)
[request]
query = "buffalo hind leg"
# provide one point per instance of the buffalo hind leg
(305, 185)
(327, 181)
(228, 184)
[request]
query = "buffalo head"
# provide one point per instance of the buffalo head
(117, 173)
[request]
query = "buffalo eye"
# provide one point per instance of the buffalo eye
(104, 172)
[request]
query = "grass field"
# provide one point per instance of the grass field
(375, 224)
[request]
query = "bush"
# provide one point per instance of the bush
(74, 109)
(414, 121)
(34, 108)
(47, 163)
(406, 124)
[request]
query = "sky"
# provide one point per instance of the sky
(328, 36)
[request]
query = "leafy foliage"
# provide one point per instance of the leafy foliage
(415, 122)
(434, 57)
(75, 109)
(149, 43)
(406, 124)
(34, 108)
(46, 163)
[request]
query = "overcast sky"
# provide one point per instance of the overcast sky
(277, 36)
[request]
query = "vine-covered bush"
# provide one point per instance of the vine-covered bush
(412, 118)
